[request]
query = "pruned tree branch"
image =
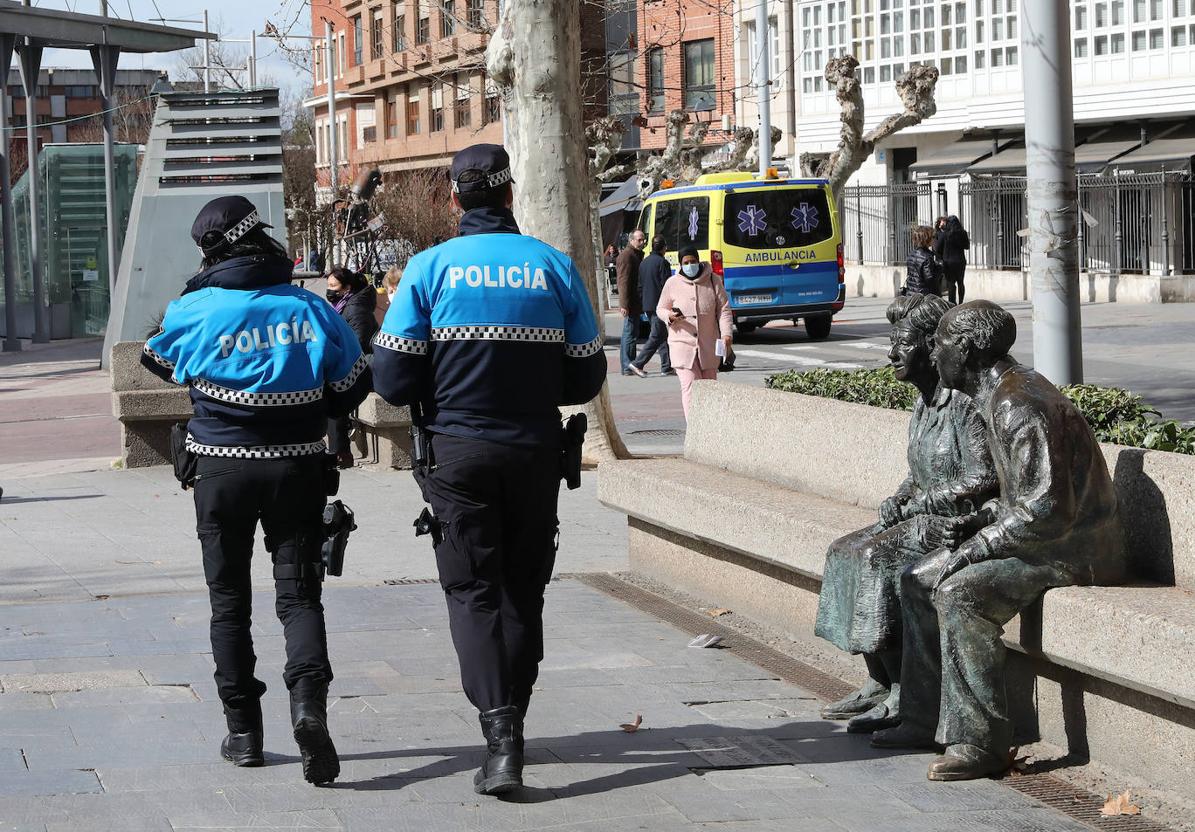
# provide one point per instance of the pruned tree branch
(916, 91)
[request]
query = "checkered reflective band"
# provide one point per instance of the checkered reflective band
(400, 344)
(584, 350)
(354, 373)
(244, 397)
(243, 227)
(169, 365)
(492, 181)
(257, 452)
(497, 333)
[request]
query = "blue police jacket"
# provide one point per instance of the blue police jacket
(267, 362)
(490, 333)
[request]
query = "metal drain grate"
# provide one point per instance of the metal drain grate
(1073, 802)
(657, 432)
(1077, 803)
(409, 581)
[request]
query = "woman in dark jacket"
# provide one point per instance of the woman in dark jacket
(924, 275)
(950, 246)
(351, 295)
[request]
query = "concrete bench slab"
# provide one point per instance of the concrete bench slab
(769, 479)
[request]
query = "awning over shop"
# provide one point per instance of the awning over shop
(1095, 156)
(1010, 158)
(954, 158)
(613, 209)
(1176, 147)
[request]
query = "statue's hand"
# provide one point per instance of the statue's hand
(958, 530)
(890, 511)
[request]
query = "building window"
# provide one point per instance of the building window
(492, 111)
(1139, 41)
(1118, 44)
(475, 12)
(1179, 8)
(358, 41)
(400, 36)
(423, 29)
(437, 124)
(1081, 47)
(392, 114)
(655, 80)
(1117, 12)
(699, 75)
(447, 18)
(1080, 18)
(375, 37)
(624, 97)
(1101, 45)
(980, 60)
(1157, 38)
(462, 115)
(413, 125)
(1178, 36)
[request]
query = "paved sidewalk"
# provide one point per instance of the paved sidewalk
(109, 719)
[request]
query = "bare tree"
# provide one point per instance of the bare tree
(132, 118)
(417, 207)
(916, 91)
(534, 57)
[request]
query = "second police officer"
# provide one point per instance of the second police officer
(266, 363)
(487, 336)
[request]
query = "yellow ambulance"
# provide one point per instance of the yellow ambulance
(776, 243)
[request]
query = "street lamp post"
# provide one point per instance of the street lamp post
(1051, 189)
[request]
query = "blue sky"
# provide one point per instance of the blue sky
(235, 18)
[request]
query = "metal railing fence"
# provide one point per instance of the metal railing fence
(1131, 224)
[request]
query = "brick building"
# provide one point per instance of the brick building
(410, 79)
(64, 94)
(671, 56)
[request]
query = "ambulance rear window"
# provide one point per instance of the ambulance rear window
(684, 222)
(767, 218)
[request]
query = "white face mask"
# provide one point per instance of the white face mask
(690, 269)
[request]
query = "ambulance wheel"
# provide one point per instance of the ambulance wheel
(747, 329)
(817, 327)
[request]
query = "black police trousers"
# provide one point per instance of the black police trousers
(496, 506)
(287, 496)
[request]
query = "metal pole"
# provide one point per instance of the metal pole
(333, 150)
(1165, 225)
(207, 57)
(253, 59)
(859, 221)
(11, 342)
(104, 58)
(1051, 189)
(763, 86)
(943, 205)
(29, 58)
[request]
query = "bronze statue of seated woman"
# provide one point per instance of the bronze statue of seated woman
(951, 475)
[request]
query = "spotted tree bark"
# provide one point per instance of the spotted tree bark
(916, 91)
(534, 57)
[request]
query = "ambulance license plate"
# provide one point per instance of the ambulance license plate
(754, 299)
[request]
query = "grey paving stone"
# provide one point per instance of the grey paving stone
(49, 781)
(208, 821)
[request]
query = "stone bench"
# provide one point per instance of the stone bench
(146, 406)
(769, 479)
(387, 431)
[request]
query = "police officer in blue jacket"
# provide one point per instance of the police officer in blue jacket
(487, 336)
(267, 363)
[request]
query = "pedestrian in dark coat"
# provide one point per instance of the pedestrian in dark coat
(924, 275)
(351, 295)
(654, 272)
(629, 297)
(951, 243)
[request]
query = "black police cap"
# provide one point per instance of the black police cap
(225, 220)
(490, 161)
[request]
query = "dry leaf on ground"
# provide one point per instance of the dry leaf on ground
(1121, 804)
(632, 727)
(717, 611)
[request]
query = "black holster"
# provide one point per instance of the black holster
(339, 523)
(185, 462)
(573, 437)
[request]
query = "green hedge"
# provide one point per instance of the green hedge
(1115, 415)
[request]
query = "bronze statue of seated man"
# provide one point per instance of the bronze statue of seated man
(951, 474)
(1056, 523)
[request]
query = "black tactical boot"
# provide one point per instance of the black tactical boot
(242, 747)
(309, 715)
(502, 770)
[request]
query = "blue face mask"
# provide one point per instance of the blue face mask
(691, 270)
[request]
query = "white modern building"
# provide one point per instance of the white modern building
(1134, 107)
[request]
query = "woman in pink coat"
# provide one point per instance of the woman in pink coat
(704, 318)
